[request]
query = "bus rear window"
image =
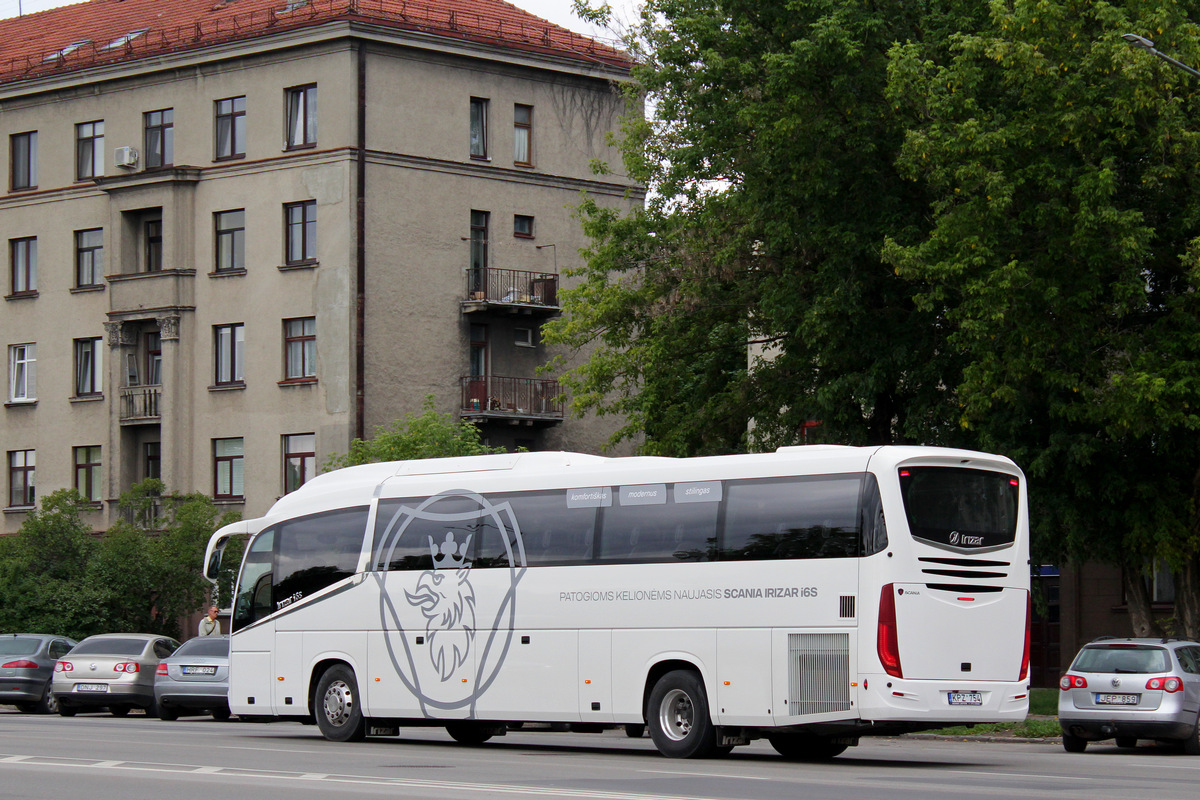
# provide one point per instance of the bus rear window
(967, 509)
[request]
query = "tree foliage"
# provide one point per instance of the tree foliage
(943, 223)
(430, 434)
(143, 575)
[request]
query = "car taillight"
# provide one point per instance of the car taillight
(1069, 682)
(63, 666)
(19, 665)
(887, 641)
(1168, 684)
(1028, 621)
(127, 666)
(161, 669)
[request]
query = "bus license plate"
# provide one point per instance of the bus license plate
(91, 687)
(1116, 699)
(199, 670)
(966, 699)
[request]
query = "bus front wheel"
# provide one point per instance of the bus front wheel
(339, 714)
(678, 720)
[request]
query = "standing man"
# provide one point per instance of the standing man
(209, 625)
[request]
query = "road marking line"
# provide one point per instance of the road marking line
(705, 775)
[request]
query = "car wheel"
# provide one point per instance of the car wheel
(635, 731)
(65, 710)
(221, 713)
(678, 716)
(805, 746)
(1126, 742)
(119, 711)
(339, 714)
(1074, 744)
(1191, 745)
(167, 713)
(27, 708)
(49, 703)
(469, 732)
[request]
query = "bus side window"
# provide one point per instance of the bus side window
(874, 527)
(317, 551)
(551, 533)
(792, 518)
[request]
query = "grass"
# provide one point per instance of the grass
(1043, 703)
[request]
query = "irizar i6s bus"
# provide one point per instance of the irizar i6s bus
(809, 596)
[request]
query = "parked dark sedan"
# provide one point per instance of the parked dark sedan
(26, 667)
(195, 678)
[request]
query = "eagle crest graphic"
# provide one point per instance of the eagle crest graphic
(447, 600)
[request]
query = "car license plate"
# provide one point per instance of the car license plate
(965, 699)
(1116, 699)
(199, 670)
(91, 687)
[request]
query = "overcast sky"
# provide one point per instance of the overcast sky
(557, 11)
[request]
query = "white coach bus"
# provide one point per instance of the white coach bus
(809, 596)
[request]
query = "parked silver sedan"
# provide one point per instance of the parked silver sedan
(1130, 689)
(111, 670)
(194, 678)
(26, 667)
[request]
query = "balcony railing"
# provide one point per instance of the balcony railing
(139, 404)
(512, 290)
(518, 400)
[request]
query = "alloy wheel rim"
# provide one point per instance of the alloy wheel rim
(676, 714)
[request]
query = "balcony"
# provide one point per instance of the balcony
(139, 405)
(517, 401)
(511, 291)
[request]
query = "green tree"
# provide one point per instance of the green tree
(770, 163)
(1063, 168)
(430, 434)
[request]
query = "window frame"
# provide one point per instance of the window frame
(478, 129)
(522, 133)
(229, 113)
(234, 472)
(87, 463)
(89, 375)
(229, 241)
(301, 231)
(23, 161)
(305, 460)
(299, 341)
(160, 122)
(28, 484)
(300, 116)
(518, 219)
(22, 259)
(229, 341)
(22, 369)
(89, 259)
(152, 244)
(89, 150)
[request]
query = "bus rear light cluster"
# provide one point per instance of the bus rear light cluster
(127, 666)
(1168, 684)
(888, 640)
(63, 666)
(1028, 623)
(1069, 682)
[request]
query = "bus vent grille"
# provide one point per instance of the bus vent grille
(846, 607)
(818, 673)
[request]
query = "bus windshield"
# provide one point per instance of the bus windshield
(961, 508)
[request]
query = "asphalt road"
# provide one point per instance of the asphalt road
(99, 756)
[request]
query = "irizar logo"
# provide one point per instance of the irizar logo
(964, 540)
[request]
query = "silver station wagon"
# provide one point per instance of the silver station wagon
(1130, 689)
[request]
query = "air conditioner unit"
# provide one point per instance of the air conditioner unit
(126, 156)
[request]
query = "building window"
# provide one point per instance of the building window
(229, 343)
(228, 457)
(231, 128)
(89, 257)
(89, 150)
(301, 116)
(523, 135)
(87, 367)
(22, 373)
(479, 109)
(23, 258)
(153, 240)
(23, 160)
(523, 226)
(152, 461)
(479, 351)
(523, 337)
(300, 348)
(479, 254)
(87, 472)
(299, 460)
(154, 358)
(160, 137)
(231, 240)
(300, 222)
(21, 478)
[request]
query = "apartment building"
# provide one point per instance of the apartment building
(239, 233)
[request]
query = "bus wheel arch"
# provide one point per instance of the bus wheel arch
(677, 712)
(336, 702)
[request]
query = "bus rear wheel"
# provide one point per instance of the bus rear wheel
(339, 713)
(805, 746)
(678, 718)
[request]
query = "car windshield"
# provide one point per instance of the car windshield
(19, 645)
(204, 646)
(1122, 658)
(110, 647)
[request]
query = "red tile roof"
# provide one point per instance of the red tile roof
(41, 44)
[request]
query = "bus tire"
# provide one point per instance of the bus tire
(678, 716)
(339, 712)
(805, 746)
(469, 732)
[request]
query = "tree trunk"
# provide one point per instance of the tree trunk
(1137, 599)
